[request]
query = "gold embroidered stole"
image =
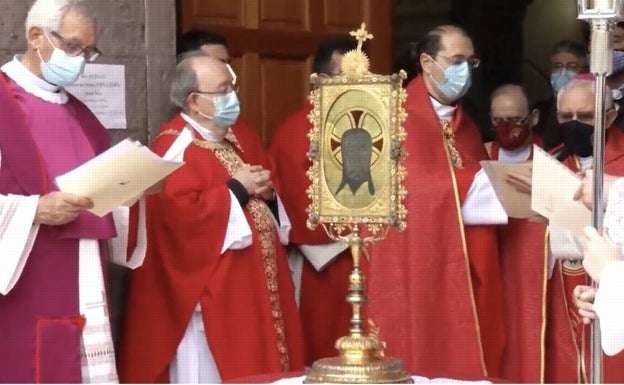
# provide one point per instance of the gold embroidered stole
(263, 222)
(449, 141)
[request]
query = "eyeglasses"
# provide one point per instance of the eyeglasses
(583, 117)
(570, 66)
(226, 90)
(473, 62)
(73, 49)
(513, 119)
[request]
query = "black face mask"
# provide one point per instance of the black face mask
(577, 137)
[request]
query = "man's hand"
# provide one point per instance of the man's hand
(521, 183)
(249, 177)
(597, 252)
(584, 300)
(265, 186)
(59, 208)
(585, 193)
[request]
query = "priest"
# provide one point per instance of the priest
(215, 300)
(567, 348)
(435, 289)
(522, 242)
(53, 297)
(567, 338)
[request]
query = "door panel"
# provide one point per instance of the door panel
(341, 14)
(218, 12)
(272, 43)
(275, 15)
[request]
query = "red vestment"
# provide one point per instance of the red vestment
(567, 339)
(524, 268)
(247, 299)
(325, 314)
(435, 290)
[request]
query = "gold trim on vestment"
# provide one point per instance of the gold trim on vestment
(544, 308)
(449, 144)
(262, 217)
(581, 374)
(451, 166)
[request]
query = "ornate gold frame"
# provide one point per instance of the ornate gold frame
(356, 149)
(379, 99)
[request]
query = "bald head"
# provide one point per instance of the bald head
(512, 121)
(197, 72)
(210, 71)
(509, 100)
(581, 89)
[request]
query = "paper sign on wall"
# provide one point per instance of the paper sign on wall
(102, 87)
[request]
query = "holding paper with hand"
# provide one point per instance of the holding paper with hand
(117, 176)
(53, 297)
(604, 262)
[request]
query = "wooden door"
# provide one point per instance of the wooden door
(272, 44)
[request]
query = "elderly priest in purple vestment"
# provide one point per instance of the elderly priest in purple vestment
(53, 304)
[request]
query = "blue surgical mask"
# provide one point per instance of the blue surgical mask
(561, 78)
(457, 80)
(61, 70)
(617, 63)
(227, 109)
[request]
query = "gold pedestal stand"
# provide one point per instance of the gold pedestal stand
(361, 358)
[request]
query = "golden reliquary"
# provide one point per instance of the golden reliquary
(357, 194)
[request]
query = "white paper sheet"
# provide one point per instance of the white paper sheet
(554, 186)
(117, 176)
(515, 203)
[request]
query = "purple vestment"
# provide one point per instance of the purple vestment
(39, 318)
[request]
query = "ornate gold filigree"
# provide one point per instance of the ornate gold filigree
(386, 103)
(449, 141)
(363, 111)
(355, 63)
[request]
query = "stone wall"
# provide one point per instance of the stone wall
(137, 33)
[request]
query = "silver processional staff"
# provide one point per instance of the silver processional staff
(602, 15)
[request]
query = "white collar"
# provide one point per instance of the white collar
(444, 112)
(203, 131)
(515, 156)
(586, 162)
(33, 84)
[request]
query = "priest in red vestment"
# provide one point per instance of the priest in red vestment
(522, 244)
(320, 266)
(215, 301)
(568, 339)
(435, 289)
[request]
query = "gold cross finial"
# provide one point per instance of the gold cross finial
(361, 35)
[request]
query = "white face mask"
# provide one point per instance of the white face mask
(61, 70)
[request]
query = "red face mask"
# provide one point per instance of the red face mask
(511, 136)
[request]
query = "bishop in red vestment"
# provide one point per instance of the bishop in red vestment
(435, 289)
(216, 264)
(567, 338)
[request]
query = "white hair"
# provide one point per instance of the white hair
(49, 14)
(587, 84)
